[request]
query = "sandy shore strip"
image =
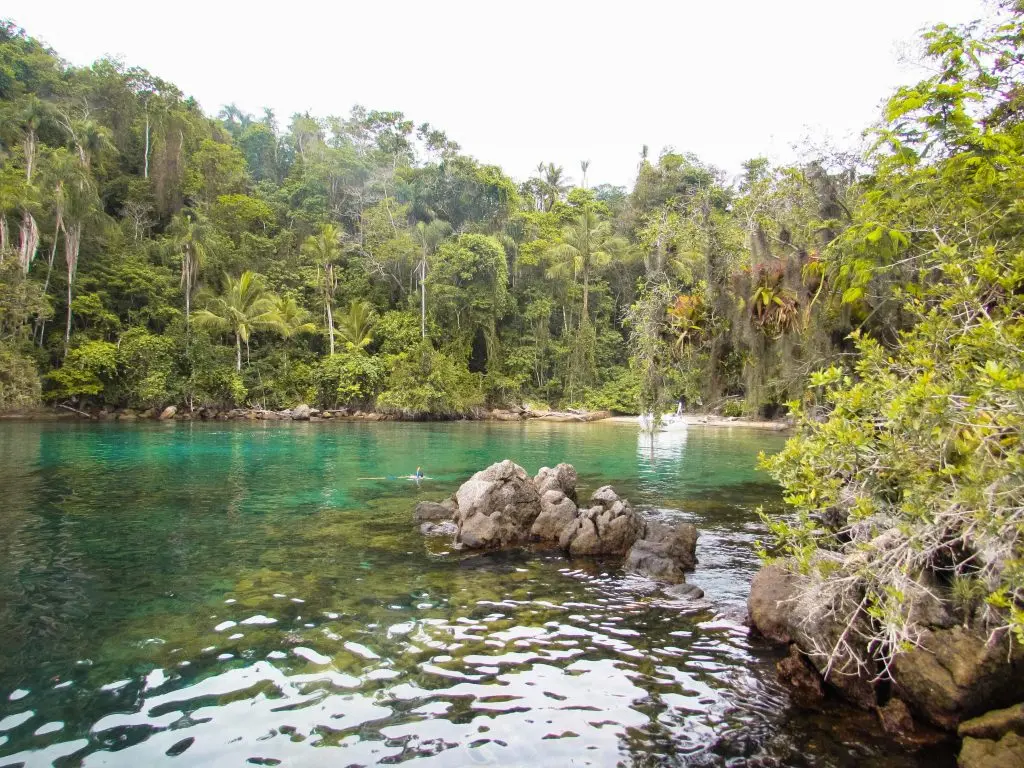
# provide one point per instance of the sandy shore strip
(710, 420)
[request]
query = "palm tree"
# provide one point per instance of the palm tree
(430, 236)
(234, 119)
(189, 238)
(91, 139)
(80, 204)
(269, 119)
(556, 183)
(66, 176)
(587, 243)
(584, 166)
(356, 325)
(33, 115)
(244, 308)
(324, 248)
(291, 317)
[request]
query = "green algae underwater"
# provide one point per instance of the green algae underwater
(230, 594)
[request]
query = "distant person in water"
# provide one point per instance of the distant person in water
(419, 475)
(681, 407)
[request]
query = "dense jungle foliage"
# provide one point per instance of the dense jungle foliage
(907, 477)
(152, 255)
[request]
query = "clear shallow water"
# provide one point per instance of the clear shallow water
(232, 594)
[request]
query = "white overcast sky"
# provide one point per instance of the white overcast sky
(517, 83)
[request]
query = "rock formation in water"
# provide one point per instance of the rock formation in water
(949, 682)
(502, 506)
(496, 507)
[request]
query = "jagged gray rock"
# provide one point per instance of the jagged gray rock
(301, 412)
(610, 527)
(561, 478)
(502, 506)
(665, 552)
(557, 511)
(496, 507)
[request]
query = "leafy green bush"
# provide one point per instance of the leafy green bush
(396, 332)
(620, 394)
(351, 378)
(86, 373)
(277, 381)
(212, 379)
(427, 382)
(19, 379)
(732, 408)
(145, 364)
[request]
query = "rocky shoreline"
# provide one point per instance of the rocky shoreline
(299, 413)
(957, 683)
(308, 413)
(502, 506)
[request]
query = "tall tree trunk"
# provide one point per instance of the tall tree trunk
(67, 324)
(423, 297)
(186, 279)
(72, 241)
(29, 241)
(238, 352)
(586, 294)
(41, 325)
(30, 154)
(3, 238)
(145, 167)
(330, 321)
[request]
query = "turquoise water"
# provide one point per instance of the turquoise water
(232, 594)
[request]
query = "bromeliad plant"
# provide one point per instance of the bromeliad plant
(685, 318)
(774, 309)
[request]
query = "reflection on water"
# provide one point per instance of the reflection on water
(215, 595)
(654, 448)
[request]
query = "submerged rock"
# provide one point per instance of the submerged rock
(441, 528)
(496, 507)
(1007, 752)
(896, 719)
(431, 511)
(665, 552)
(801, 678)
(688, 591)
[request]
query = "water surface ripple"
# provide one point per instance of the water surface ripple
(241, 594)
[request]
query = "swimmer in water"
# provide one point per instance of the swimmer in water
(419, 475)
